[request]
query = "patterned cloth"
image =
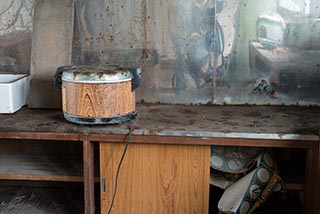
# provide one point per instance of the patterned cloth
(233, 159)
(250, 191)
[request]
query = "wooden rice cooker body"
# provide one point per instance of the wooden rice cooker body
(97, 95)
(98, 99)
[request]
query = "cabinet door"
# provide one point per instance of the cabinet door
(155, 179)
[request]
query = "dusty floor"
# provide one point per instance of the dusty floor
(39, 200)
(35, 200)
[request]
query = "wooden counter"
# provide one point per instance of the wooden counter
(162, 129)
(255, 122)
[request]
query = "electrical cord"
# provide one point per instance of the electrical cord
(118, 170)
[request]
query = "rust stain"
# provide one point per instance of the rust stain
(254, 125)
(189, 111)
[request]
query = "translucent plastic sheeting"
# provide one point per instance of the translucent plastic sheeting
(172, 41)
(207, 51)
(16, 21)
(268, 52)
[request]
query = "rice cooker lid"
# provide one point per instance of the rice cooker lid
(96, 74)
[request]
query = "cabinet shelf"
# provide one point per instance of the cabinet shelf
(40, 167)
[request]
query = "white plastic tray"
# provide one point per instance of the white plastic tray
(14, 89)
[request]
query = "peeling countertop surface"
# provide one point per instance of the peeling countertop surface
(252, 122)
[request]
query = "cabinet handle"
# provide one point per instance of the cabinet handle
(103, 185)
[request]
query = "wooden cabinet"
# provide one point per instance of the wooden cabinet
(169, 179)
(166, 168)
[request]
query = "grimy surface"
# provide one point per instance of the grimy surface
(38, 200)
(257, 122)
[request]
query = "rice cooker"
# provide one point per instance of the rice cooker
(98, 94)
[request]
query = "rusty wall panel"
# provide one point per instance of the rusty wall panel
(16, 23)
(51, 48)
(207, 52)
(170, 40)
(108, 32)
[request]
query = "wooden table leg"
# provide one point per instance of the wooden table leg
(311, 182)
(88, 176)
